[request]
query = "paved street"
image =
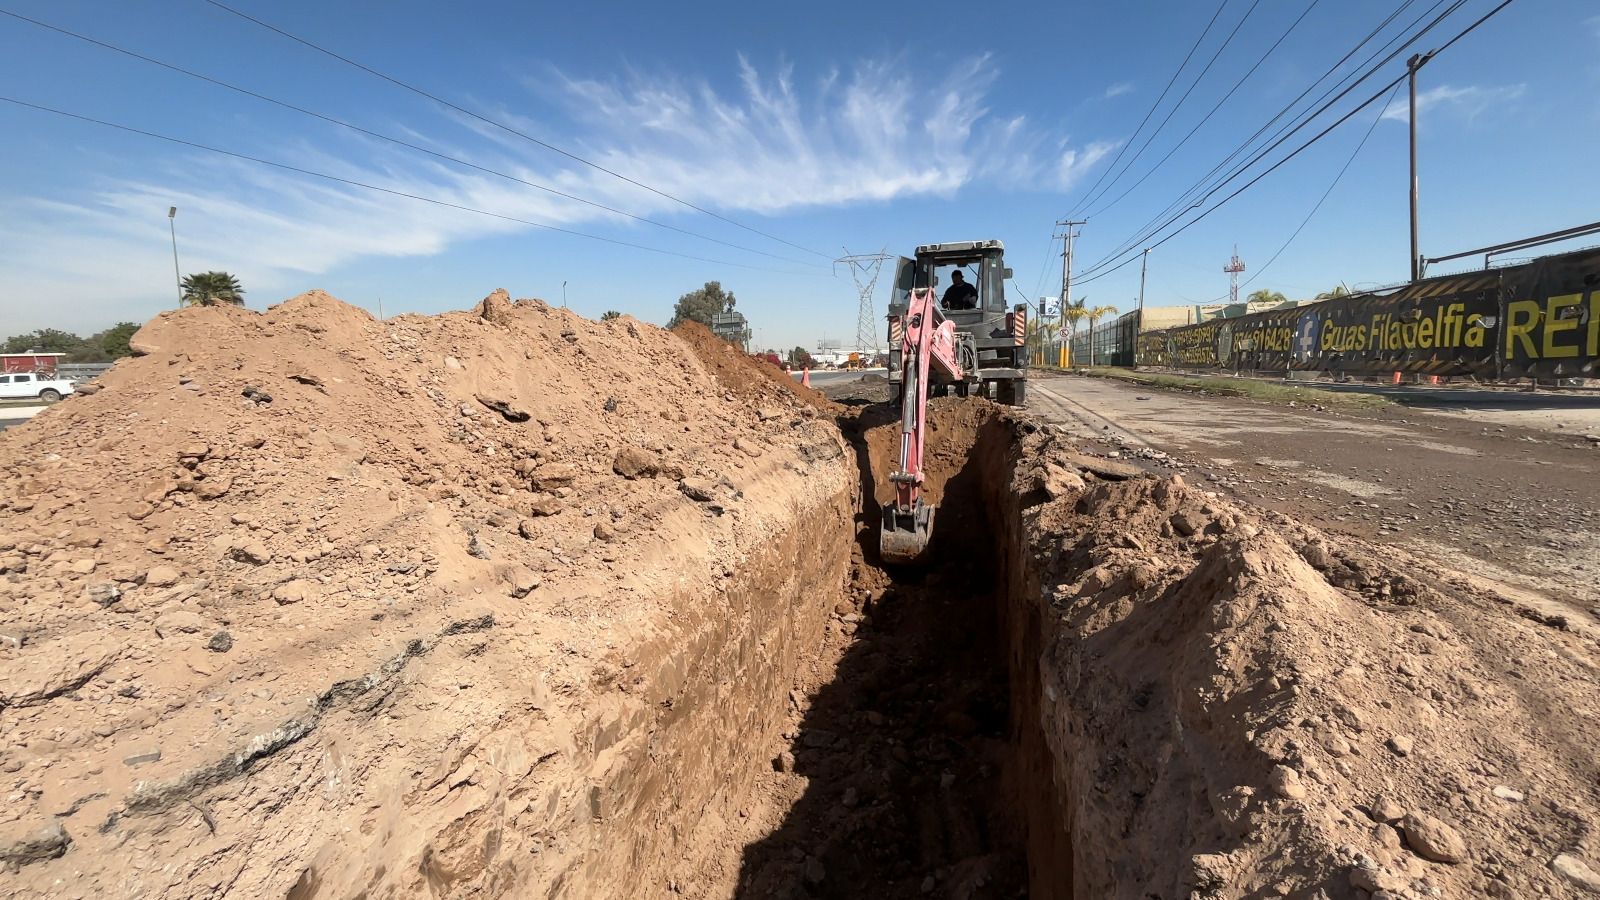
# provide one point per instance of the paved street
(16, 415)
(1512, 503)
(822, 378)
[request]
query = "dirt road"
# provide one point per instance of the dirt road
(1513, 506)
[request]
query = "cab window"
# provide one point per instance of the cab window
(23, 379)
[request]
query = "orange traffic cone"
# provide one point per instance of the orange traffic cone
(805, 377)
(1397, 378)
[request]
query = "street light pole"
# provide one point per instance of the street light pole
(563, 295)
(177, 277)
(1412, 65)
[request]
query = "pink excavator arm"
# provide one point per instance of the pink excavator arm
(927, 355)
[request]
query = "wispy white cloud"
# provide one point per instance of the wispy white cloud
(769, 145)
(1118, 89)
(1471, 101)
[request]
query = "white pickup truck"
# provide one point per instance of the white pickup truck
(33, 386)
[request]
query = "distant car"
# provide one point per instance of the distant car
(34, 386)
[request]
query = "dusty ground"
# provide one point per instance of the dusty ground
(1511, 505)
(510, 603)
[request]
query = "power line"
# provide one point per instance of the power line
(1342, 119)
(1335, 183)
(384, 137)
(1049, 251)
(1148, 229)
(1153, 107)
(372, 187)
(506, 128)
(1200, 185)
(1179, 105)
(1213, 111)
(1364, 104)
(1305, 121)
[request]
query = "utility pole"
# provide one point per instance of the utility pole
(1412, 65)
(1144, 266)
(1068, 238)
(177, 277)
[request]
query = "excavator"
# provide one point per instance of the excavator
(973, 344)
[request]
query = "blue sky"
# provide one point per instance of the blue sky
(826, 124)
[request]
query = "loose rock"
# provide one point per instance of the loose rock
(1576, 872)
(1432, 839)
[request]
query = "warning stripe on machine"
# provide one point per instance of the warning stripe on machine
(1018, 325)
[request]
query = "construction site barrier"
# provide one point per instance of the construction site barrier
(1540, 319)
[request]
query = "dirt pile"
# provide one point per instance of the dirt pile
(303, 600)
(1241, 706)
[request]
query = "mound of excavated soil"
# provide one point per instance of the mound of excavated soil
(1240, 706)
(300, 599)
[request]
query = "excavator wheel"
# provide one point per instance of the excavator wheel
(903, 539)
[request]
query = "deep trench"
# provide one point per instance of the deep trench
(928, 775)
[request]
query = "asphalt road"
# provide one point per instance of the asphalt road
(1517, 505)
(16, 415)
(822, 377)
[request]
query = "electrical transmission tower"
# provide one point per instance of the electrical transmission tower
(1233, 268)
(864, 269)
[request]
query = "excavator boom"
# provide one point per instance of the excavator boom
(927, 355)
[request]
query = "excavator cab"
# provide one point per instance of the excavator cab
(998, 366)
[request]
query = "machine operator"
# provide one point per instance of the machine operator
(960, 295)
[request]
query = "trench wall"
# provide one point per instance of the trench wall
(667, 778)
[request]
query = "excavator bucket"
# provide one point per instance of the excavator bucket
(904, 537)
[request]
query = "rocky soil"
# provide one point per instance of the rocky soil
(304, 598)
(507, 602)
(1245, 706)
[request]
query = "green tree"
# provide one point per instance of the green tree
(1339, 290)
(45, 340)
(1094, 315)
(1072, 315)
(610, 314)
(1040, 335)
(1266, 296)
(800, 358)
(701, 305)
(212, 289)
(114, 340)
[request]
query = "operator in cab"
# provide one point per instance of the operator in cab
(959, 295)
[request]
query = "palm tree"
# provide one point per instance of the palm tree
(1073, 314)
(212, 289)
(610, 314)
(1041, 334)
(1266, 296)
(1095, 314)
(1339, 290)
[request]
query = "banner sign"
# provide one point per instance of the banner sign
(1538, 319)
